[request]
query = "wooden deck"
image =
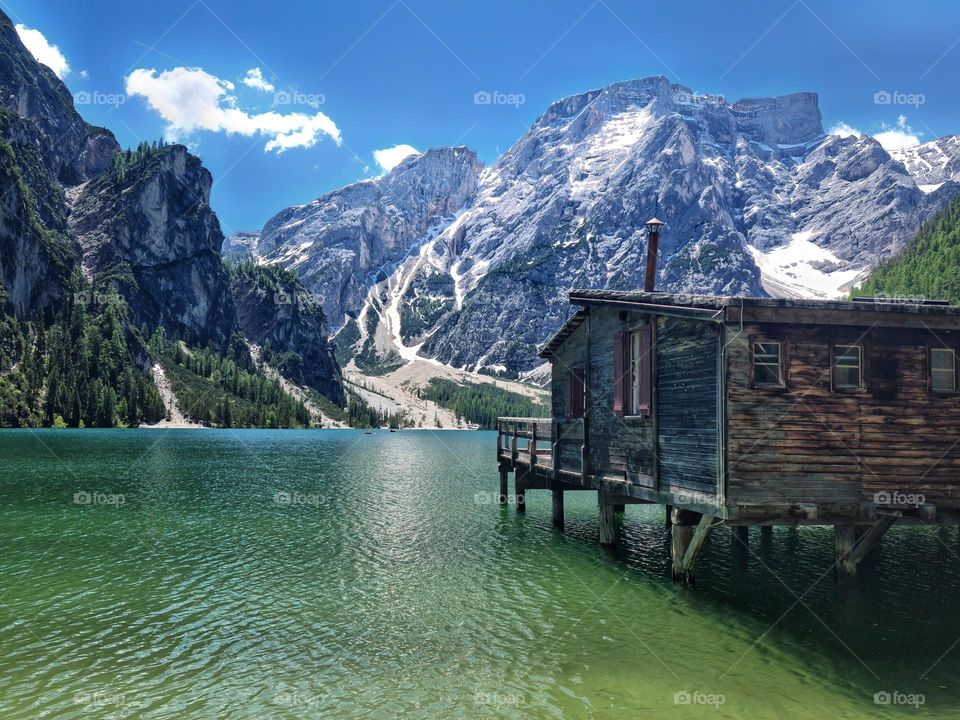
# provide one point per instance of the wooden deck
(529, 447)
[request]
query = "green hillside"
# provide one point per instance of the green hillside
(929, 267)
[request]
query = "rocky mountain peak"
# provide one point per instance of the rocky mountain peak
(75, 150)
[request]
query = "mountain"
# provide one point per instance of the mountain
(111, 272)
(346, 241)
(758, 199)
(928, 268)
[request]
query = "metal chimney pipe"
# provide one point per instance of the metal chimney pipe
(654, 227)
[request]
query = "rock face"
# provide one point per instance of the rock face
(138, 222)
(74, 150)
(757, 200)
(274, 308)
(153, 232)
(344, 242)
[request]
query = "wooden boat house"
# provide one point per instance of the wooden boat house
(749, 411)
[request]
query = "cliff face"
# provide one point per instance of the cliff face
(274, 308)
(74, 150)
(139, 223)
(344, 242)
(149, 229)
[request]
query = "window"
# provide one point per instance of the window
(636, 360)
(575, 393)
(847, 363)
(633, 371)
(943, 369)
(767, 366)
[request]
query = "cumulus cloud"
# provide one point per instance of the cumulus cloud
(44, 51)
(890, 138)
(843, 130)
(898, 137)
(254, 79)
(190, 99)
(389, 158)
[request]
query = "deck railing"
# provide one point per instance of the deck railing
(533, 442)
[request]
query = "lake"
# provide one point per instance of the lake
(339, 574)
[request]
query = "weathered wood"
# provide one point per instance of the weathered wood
(696, 542)
(681, 537)
(504, 489)
(558, 508)
(871, 536)
(608, 525)
(520, 488)
(846, 540)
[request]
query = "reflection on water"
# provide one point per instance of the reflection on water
(336, 574)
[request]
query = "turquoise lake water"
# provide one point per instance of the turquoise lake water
(257, 574)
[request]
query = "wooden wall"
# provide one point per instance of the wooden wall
(687, 403)
(619, 446)
(809, 443)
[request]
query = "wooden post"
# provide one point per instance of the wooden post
(504, 489)
(766, 532)
(669, 515)
(742, 533)
(686, 541)
(558, 508)
(608, 522)
(620, 508)
(846, 540)
(533, 446)
(519, 488)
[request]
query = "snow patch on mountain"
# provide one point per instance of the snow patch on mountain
(802, 268)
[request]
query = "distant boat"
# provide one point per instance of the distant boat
(368, 432)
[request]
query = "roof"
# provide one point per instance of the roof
(884, 311)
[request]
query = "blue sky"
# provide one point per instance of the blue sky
(333, 83)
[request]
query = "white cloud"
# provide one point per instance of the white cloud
(389, 158)
(843, 130)
(43, 50)
(254, 78)
(890, 138)
(83, 75)
(192, 99)
(899, 137)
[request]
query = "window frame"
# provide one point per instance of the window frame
(861, 366)
(631, 388)
(931, 370)
(781, 370)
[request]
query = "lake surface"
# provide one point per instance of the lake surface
(259, 574)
